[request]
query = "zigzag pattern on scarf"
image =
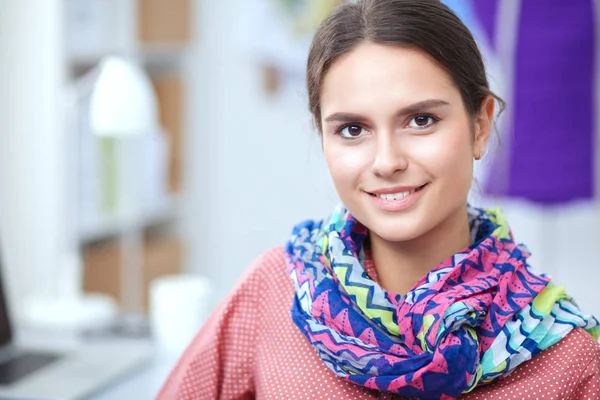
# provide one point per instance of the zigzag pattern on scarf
(535, 320)
(349, 362)
(373, 304)
(484, 310)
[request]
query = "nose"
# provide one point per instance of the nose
(389, 157)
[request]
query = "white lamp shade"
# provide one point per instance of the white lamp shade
(123, 101)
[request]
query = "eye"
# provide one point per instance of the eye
(351, 131)
(422, 121)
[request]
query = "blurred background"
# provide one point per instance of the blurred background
(151, 149)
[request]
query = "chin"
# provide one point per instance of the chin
(396, 228)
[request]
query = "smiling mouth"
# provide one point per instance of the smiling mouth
(398, 195)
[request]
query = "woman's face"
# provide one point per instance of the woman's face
(398, 140)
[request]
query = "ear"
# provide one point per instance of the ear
(483, 127)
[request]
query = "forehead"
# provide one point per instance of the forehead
(373, 73)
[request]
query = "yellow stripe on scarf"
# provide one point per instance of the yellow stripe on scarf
(361, 295)
(502, 231)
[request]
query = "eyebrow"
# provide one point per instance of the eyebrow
(408, 110)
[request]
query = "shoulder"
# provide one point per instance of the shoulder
(557, 372)
(222, 355)
(570, 357)
(578, 346)
(270, 261)
(570, 367)
(564, 363)
(269, 267)
(270, 264)
(246, 300)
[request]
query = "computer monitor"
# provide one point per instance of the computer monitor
(5, 326)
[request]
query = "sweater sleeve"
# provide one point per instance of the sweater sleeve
(588, 386)
(218, 363)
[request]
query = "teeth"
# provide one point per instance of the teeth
(395, 196)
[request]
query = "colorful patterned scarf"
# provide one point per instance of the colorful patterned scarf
(470, 321)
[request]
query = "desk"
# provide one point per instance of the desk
(141, 384)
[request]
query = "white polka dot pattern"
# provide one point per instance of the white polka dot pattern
(250, 349)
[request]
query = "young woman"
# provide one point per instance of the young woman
(406, 291)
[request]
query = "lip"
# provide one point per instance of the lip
(400, 204)
(397, 189)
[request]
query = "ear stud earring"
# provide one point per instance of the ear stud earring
(481, 153)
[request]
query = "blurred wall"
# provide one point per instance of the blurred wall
(32, 142)
(256, 166)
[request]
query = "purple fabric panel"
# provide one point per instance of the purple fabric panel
(552, 149)
(487, 13)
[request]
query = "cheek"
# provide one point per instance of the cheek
(346, 164)
(449, 158)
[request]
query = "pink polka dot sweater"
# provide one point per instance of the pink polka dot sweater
(250, 349)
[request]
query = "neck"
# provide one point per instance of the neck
(400, 265)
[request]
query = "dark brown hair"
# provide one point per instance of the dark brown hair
(426, 25)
